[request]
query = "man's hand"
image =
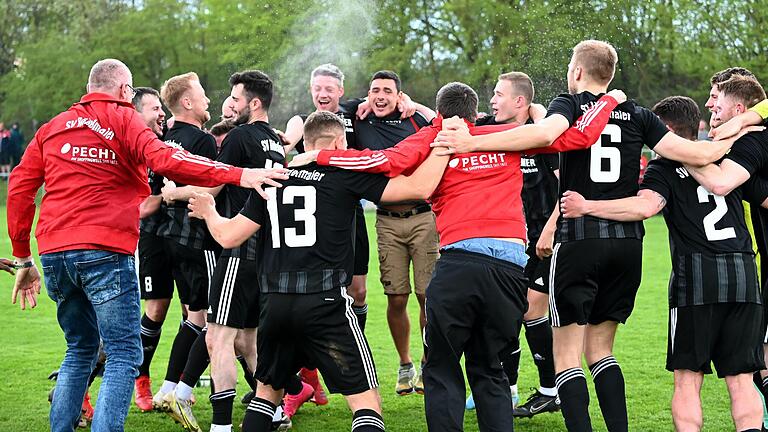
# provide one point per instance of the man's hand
(727, 129)
(545, 244)
(6, 265)
(201, 205)
(167, 191)
(305, 158)
(27, 287)
(406, 106)
(455, 137)
(618, 95)
(537, 112)
(363, 109)
(255, 178)
(573, 205)
(283, 139)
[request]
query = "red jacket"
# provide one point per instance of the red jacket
(93, 159)
(479, 194)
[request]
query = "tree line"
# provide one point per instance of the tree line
(665, 47)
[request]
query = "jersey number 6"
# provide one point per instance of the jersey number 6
(598, 153)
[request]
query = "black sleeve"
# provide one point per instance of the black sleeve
(232, 148)
(255, 208)
(749, 152)
(755, 189)
(653, 128)
(656, 180)
(351, 105)
(420, 120)
(155, 183)
(551, 160)
(565, 105)
(367, 186)
(205, 146)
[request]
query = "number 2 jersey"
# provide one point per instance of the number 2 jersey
(610, 168)
(711, 249)
(308, 228)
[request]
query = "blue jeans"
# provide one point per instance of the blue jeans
(500, 249)
(97, 296)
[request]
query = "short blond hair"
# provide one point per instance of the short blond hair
(322, 126)
(744, 89)
(521, 84)
(597, 58)
(174, 89)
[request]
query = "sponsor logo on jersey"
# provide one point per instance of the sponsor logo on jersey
(93, 125)
(306, 175)
(476, 162)
(82, 153)
(272, 145)
(682, 172)
(528, 165)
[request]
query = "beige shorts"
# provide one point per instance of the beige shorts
(402, 241)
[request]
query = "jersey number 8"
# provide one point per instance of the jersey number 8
(598, 153)
(306, 215)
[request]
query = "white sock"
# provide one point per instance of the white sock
(513, 389)
(168, 387)
(183, 391)
(221, 428)
(548, 391)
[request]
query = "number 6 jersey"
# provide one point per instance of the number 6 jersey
(610, 169)
(308, 228)
(711, 249)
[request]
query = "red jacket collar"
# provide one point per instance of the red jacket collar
(101, 97)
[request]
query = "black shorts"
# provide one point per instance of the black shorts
(537, 270)
(726, 334)
(594, 280)
(361, 243)
(192, 270)
(234, 296)
(155, 279)
(318, 329)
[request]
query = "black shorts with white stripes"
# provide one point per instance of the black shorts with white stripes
(726, 334)
(155, 279)
(317, 329)
(234, 296)
(192, 270)
(536, 270)
(594, 280)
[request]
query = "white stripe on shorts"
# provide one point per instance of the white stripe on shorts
(552, 306)
(362, 345)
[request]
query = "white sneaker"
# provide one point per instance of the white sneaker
(159, 403)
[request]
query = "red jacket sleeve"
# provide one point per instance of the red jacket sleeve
(585, 131)
(177, 164)
(403, 158)
(23, 184)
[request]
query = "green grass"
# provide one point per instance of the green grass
(32, 345)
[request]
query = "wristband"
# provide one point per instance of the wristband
(761, 109)
(24, 265)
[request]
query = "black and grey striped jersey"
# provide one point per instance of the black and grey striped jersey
(178, 226)
(711, 249)
(308, 228)
(609, 169)
(539, 191)
(253, 145)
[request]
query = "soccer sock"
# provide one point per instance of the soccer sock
(197, 361)
(538, 333)
(367, 420)
(247, 373)
(180, 350)
(150, 337)
(294, 385)
(361, 312)
(96, 371)
(609, 386)
(183, 391)
(574, 399)
(221, 403)
(510, 362)
(258, 415)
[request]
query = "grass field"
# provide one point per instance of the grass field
(32, 345)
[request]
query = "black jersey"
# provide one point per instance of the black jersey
(379, 133)
(607, 170)
(308, 228)
(539, 191)
(152, 223)
(346, 112)
(711, 249)
(254, 145)
(178, 226)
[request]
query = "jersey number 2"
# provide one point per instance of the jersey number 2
(306, 215)
(721, 208)
(598, 153)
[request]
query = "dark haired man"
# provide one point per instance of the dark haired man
(713, 317)
(479, 275)
(233, 315)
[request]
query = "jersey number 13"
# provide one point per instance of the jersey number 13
(305, 215)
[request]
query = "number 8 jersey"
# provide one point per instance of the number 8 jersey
(308, 228)
(609, 169)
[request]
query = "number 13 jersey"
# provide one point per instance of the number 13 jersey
(308, 228)
(609, 169)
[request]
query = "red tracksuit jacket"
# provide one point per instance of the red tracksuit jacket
(479, 194)
(93, 159)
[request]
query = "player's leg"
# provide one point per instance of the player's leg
(366, 411)
(245, 348)
(358, 288)
(606, 374)
(261, 409)
(746, 407)
(686, 401)
(424, 249)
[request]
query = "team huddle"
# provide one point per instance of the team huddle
(493, 212)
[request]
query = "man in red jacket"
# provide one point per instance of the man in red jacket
(93, 159)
